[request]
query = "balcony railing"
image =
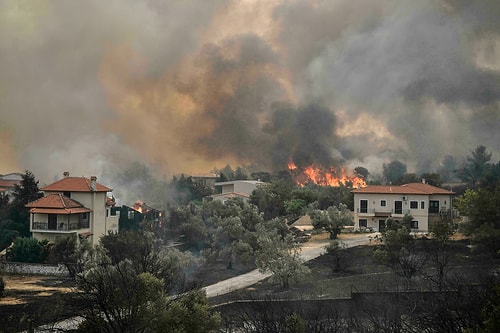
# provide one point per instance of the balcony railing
(60, 226)
(389, 212)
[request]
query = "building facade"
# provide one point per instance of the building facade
(73, 205)
(425, 203)
(236, 189)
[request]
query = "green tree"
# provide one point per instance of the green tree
(279, 256)
(295, 207)
(16, 214)
(147, 255)
(27, 249)
(336, 251)
(332, 220)
(131, 295)
(433, 179)
(262, 176)
(187, 313)
(483, 212)
(227, 240)
(361, 172)
(408, 178)
(476, 165)
(271, 199)
(63, 250)
(334, 196)
(448, 169)
(295, 324)
(400, 250)
(440, 249)
(240, 174)
(394, 171)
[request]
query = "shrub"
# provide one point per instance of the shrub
(27, 249)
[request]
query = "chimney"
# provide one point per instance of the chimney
(65, 174)
(423, 181)
(93, 181)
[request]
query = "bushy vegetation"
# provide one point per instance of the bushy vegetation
(133, 283)
(14, 216)
(26, 249)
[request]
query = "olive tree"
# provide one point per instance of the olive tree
(400, 249)
(332, 220)
(280, 256)
(133, 290)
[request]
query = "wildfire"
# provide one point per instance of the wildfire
(138, 206)
(320, 175)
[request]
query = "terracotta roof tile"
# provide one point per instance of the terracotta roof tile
(74, 184)
(8, 183)
(59, 211)
(56, 203)
(411, 188)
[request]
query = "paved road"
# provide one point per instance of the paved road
(310, 250)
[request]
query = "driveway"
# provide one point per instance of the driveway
(310, 250)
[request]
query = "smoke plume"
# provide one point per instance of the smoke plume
(186, 86)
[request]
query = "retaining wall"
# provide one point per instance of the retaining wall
(36, 269)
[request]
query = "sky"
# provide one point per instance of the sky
(187, 86)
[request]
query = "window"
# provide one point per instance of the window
(52, 223)
(434, 206)
(383, 203)
(422, 204)
(363, 223)
(363, 206)
(398, 207)
(67, 194)
(413, 204)
(84, 220)
(414, 224)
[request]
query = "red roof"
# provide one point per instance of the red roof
(74, 184)
(56, 203)
(412, 188)
(8, 183)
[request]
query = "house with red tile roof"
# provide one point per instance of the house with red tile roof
(73, 205)
(9, 181)
(427, 204)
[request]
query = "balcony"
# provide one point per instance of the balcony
(382, 212)
(400, 212)
(59, 227)
(366, 211)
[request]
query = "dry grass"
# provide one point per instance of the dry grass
(19, 288)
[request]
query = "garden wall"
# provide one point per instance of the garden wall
(36, 269)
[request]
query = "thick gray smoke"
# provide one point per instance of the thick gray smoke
(186, 86)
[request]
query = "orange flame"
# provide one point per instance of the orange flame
(323, 176)
(138, 206)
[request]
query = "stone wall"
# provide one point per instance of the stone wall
(36, 269)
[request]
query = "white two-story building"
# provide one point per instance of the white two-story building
(236, 189)
(73, 205)
(425, 203)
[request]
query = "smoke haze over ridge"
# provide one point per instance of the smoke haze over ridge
(188, 85)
